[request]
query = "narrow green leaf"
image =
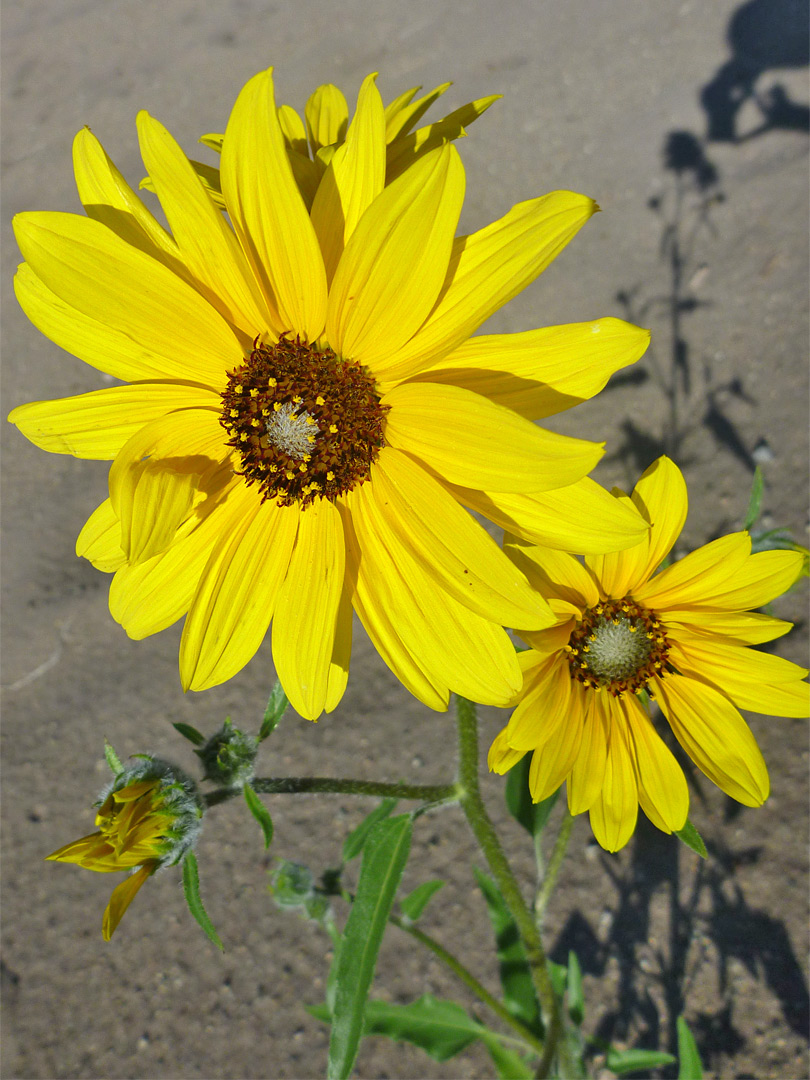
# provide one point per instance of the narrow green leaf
(689, 1063)
(190, 733)
(508, 1064)
(692, 838)
(415, 902)
(516, 979)
(384, 857)
(260, 812)
(276, 707)
(576, 999)
(191, 888)
(624, 1061)
(532, 816)
(353, 844)
(113, 760)
(755, 502)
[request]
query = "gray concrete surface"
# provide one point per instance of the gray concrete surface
(594, 91)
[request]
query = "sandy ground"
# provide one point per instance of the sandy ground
(702, 239)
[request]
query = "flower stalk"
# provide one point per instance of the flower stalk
(319, 785)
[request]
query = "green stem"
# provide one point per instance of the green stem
(554, 864)
(466, 976)
(473, 806)
(307, 785)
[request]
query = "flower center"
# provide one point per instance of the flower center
(305, 423)
(619, 645)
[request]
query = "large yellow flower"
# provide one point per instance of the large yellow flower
(307, 416)
(680, 635)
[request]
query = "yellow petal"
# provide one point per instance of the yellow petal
(764, 576)
(292, 128)
(753, 680)
(100, 539)
(307, 608)
(541, 372)
(237, 591)
(97, 425)
(383, 627)
(733, 627)
(147, 597)
(155, 476)
(405, 150)
(327, 115)
(554, 573)
(76, 851)
(579, 517)
(395, 261)
(553, 762)
(341, 650)
(451, 546)
(701, 577)
(487, 269)
(268, 213)
(105, 279)
(204, 238)
(588, 771)
(471, 654)
(403, 112)
(614, 813)
(109, 199)
(546, 703)
(501, 756)
(471, 441)
(715, 736)
(661, 782)
(122, 897)
(354, 178)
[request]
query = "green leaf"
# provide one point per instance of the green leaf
(508, 1064)
(576, 999)
(260, 812)
(353, 844)
(415, 902)
(191, 888)
(516, 979)
(532, 816)
(190, 733)
(755, 502)
(439, 1027)
(276, 707)
(624, 1061)
(113, 760)
(384, 857)
(689, 1063)
(692, 838)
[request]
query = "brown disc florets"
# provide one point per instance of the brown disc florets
(305, 423)
(619, 645)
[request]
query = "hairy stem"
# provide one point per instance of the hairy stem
(307, 785)
(554, 864)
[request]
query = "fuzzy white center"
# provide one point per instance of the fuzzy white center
(617, 651)
(291, 431)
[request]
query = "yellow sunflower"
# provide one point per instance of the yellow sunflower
(679, 635)
(307, 416)
(149, 817)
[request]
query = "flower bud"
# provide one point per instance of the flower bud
(229, 756)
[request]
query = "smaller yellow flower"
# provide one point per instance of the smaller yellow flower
(148, 818)
(680, 635)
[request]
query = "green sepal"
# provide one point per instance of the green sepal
(516, 978)
(190, 733)
(690, 1066)
(692, 838)
(415, 902)
(112, 759)
(355, 841)
(576, 998)
(384, 857)
(276, 707)
(532, 816)
(191, 889)
(755, 501)
(260, 812)
(633, 1060)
